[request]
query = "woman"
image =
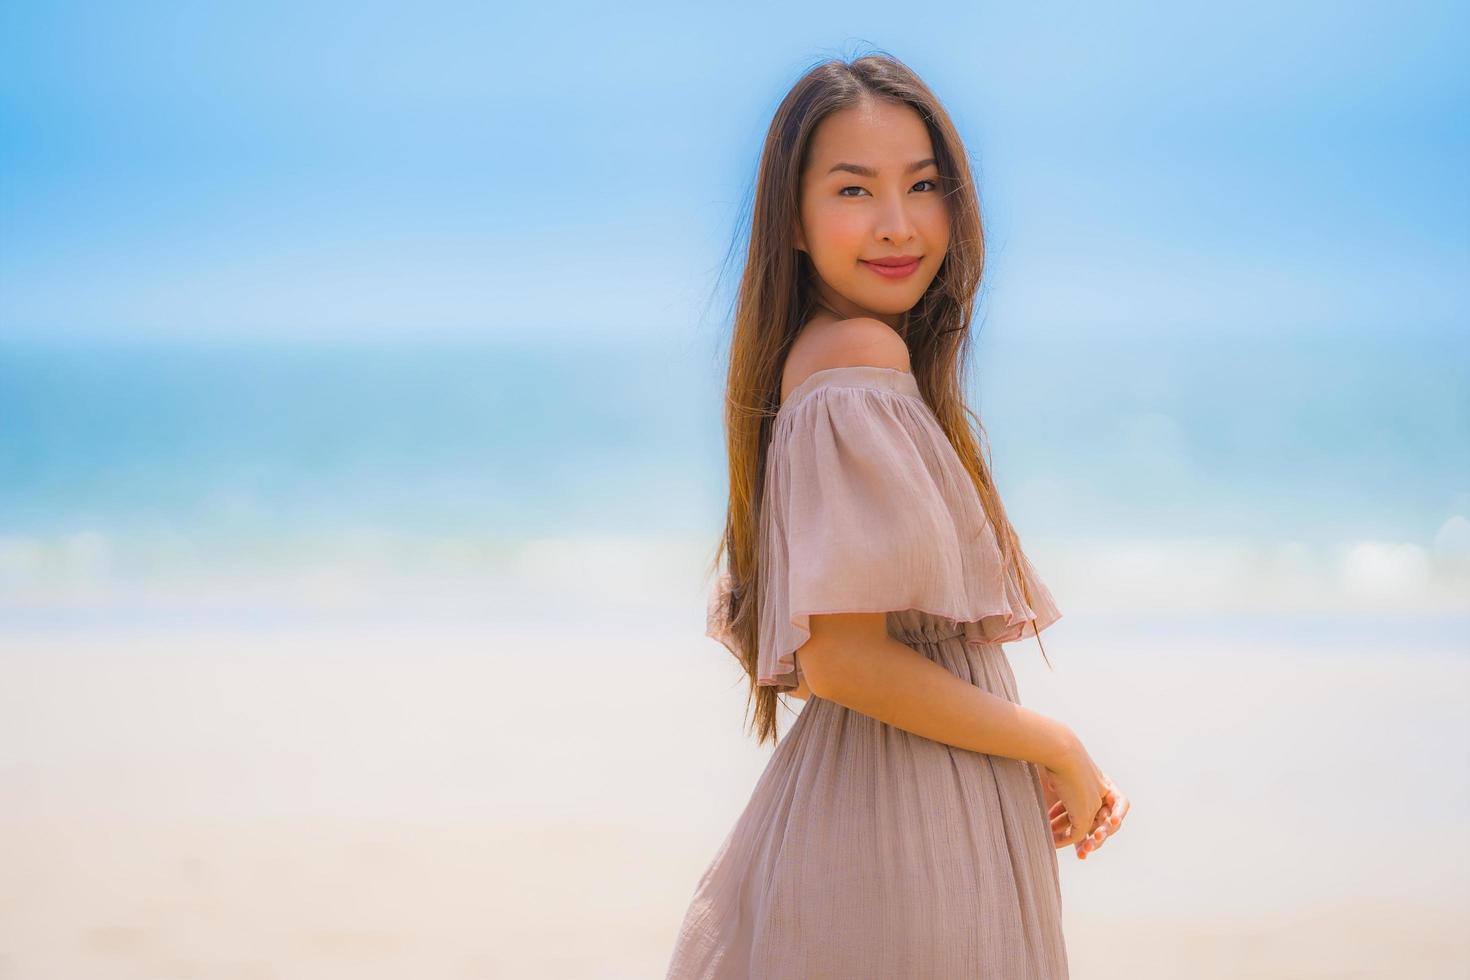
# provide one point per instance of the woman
(906, 825)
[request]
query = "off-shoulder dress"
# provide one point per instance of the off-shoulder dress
(866, 851)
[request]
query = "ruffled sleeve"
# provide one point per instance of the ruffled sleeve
(869, 509)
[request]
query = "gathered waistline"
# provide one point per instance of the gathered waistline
(970, 632)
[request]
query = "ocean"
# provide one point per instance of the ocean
(161, 481)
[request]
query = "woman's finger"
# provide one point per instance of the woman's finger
(1109, 818)
(1109, 822)
(1119, 808)
(1061, 827)
(1092, 841)
(1102, 827)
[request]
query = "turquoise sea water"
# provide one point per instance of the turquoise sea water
(167, 476)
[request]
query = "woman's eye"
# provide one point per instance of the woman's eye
(934, 185)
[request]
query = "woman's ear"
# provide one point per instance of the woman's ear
(800, 240)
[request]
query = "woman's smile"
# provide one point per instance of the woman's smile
(890, 269)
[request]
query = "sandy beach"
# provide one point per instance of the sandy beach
(488, 802)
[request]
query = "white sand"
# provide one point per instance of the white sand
(410, 802)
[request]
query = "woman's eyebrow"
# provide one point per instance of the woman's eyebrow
(863, 171)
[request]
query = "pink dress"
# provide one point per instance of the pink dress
(866, 851)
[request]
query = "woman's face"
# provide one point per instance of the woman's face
(870, 191)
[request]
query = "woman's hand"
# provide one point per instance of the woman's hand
(1080, 787)
(1109, 818)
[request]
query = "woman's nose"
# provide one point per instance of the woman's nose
(894, 223)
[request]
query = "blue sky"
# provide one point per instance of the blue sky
(366, 170)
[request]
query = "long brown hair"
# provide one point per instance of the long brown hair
(776, 298)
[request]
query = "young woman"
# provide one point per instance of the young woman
(906, 825)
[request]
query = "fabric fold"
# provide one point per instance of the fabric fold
(867, 508)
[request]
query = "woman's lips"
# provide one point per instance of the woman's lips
(892, 271)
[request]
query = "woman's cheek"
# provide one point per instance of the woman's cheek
(840, 229)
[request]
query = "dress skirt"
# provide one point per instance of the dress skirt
(866, 851)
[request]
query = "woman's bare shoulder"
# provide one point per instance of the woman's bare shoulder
(859, 341)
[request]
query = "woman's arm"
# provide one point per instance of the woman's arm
(851, 659)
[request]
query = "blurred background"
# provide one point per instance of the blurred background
(360, 468)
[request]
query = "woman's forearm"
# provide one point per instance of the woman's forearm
(897, 684)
